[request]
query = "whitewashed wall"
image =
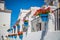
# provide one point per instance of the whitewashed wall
(4, 19)
(22, 15)
(51, 25)
(33, 10)
(37, 35)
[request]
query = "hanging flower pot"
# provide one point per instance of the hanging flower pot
(21, 37)
(44, 17)
(18, 27)
(14, 35)
(20, 34)
(43, 13)
(25, 22)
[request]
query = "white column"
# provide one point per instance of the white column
(16, 30)
(13, 31)
(29, 28)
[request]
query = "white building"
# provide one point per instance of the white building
(56, 12)
(5, 19)
(34, 32)
(22, 15)
(35, 22)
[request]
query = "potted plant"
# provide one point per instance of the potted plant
(43, 13)
(20, 34)
(25, 22)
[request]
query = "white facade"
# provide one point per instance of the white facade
(24, 13)
(55, 2)
(33, 10)
(5, 19)
(36, 35)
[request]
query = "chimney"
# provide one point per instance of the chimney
(2, 5)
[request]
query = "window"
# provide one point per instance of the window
(36, 25)
(51, 3)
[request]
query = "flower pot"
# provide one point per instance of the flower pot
(18, 28)
(44, 17)
(21, 37)
(25, 23)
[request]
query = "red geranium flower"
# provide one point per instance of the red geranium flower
(48, 8)
(39, 11)
(44, 11)
(20, 33)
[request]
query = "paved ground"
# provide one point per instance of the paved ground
(37, 36)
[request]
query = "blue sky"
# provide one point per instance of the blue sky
(16, 5)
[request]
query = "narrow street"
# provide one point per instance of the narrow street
(30, 20)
